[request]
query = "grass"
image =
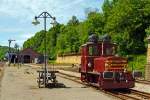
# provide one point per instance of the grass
(52, 61)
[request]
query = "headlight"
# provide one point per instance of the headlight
(89, 64)
(106, 64)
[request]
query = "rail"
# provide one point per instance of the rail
(128, 94)
(142, 81)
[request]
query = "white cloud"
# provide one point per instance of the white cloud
(26, 9)
(23, 11)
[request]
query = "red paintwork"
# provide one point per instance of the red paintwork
(103, 62)
(99, 64)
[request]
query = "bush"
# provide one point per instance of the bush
(138, 62)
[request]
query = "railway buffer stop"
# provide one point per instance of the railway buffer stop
(147, 69)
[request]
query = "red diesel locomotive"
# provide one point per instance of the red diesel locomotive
(101, 67)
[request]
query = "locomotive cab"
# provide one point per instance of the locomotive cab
(100, 66)
(90, 51)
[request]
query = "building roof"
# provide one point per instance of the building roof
(29, 51)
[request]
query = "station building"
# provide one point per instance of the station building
(28, 55)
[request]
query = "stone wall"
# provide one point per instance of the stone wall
(148, 54)
(147, 69)
(70, 59)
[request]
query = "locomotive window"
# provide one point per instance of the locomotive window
(93, 51)
(110, 51)
(108, 75)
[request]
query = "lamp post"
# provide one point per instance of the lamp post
(9, 41)
(44, 15)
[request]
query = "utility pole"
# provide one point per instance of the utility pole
(9, 41)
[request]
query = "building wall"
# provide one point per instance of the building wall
(148, 54)
(75, 59)
(32, 55)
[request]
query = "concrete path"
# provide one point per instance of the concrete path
(20, 84)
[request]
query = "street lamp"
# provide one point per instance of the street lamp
(44, 15)
(9, 41)
(35, 21)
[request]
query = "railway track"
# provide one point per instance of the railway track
(142, 81)
(128, 94)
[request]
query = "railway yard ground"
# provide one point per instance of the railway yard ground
(20, 84)
(139, 85)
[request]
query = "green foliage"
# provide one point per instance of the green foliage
(129, 18)
(74, 21)
(138, 62)
(35, 42)
(16, 47)
(3, 51)
(127, 21)
(68, 41)
(96, 22)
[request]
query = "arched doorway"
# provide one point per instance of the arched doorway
(27, 59)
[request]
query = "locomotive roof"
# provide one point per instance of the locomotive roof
(88, 43)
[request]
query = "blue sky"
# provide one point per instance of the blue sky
(16, 16)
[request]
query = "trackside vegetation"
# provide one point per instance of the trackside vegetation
(126, 21)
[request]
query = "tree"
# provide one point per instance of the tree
(16, 46)
(127, 21)
(73, 21)
(128, 18)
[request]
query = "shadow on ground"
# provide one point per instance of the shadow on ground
(56, 85)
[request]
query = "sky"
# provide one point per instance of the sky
(16, 16)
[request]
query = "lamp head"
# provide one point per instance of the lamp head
(35, 21)
(54, 18)
(54, 23)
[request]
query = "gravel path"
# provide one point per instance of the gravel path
(20, 84)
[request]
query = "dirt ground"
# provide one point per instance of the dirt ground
(20, 84)
(1, 69)
(1, 73)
